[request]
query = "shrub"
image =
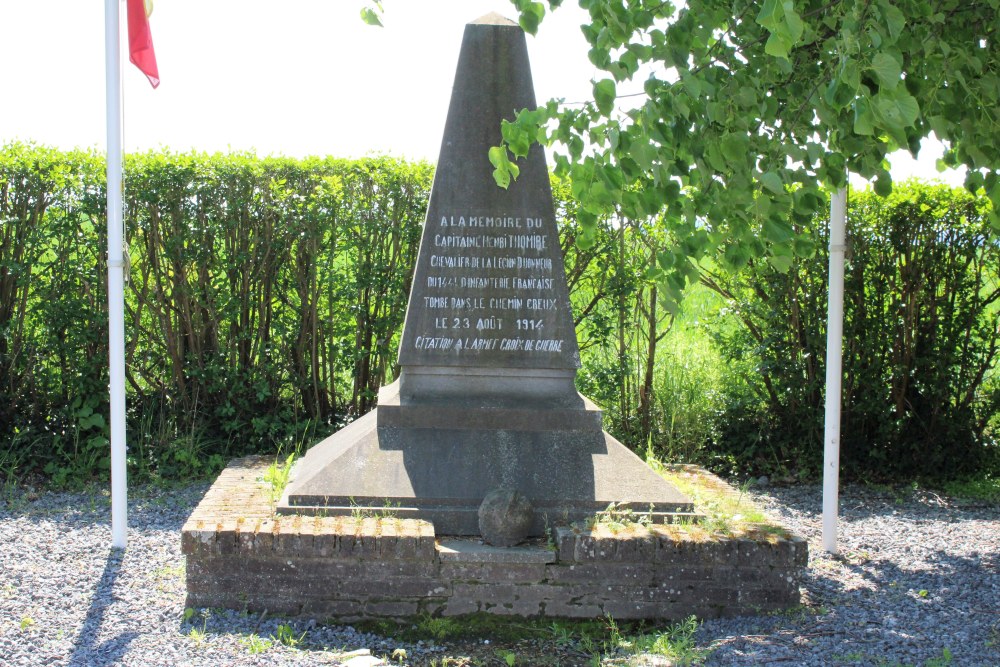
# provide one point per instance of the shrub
(920, 343)
(265, 298)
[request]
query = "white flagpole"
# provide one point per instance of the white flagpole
(834, 366)
(116, 272)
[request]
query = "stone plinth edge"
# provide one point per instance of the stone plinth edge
(241, 555)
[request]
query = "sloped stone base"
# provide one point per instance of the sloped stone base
(241, 555)
(437, 459)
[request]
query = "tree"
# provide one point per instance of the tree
(723, 121)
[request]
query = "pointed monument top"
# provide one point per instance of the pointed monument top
(493, 19)
(489, 298)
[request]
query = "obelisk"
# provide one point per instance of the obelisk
(486, 397)
(489, 314)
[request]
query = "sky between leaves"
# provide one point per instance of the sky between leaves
(301, 77)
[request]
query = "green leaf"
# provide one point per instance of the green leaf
(504, 168)
(604, 96)
(844, 88)
(805, 202)
(778, 45)
(864, 119)
(781, 263)
(652, 273)
(894, 20)
(772, 181)
(815, 152)
(769, 16)
(735, 147)
(897, 110)
(520, 134)
(95, 420)
(643, 153)
(793, 21)
(887, 69)
(588, 227)
(532, 14)
(666, 260)
(994, 195)
(882, 184)
(714, 157)
(785, 25)
(777, 231)
(995, 221)
(804, 247)
(737, 255)
(369, 16)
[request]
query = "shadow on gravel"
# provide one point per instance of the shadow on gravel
(941, 577)
(86, 649)
(891, 613)
(859, 502)
(927, 606)
(148, 507)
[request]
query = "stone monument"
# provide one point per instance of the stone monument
(485, 399)
(484, 433)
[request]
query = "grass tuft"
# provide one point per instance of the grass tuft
(726, 512)
(277, 476)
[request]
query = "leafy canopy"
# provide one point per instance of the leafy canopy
(723, 121)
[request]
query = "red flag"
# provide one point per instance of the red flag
(140, 40)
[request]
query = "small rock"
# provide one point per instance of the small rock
(505, 517)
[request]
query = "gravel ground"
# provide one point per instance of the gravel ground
(918, 584)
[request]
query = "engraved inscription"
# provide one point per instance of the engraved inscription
(489, 286)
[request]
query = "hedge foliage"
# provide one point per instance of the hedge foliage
(266, 297)
(921, 344)
(263, 300)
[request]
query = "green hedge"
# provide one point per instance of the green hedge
(921, 337)
(264, 299)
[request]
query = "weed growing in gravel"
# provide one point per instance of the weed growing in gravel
(603, 642)
(255, 644)
(285, 635)
(27, 623)
(277, 473)
(196, 634)
(676, 643)
(175, 571)
(509, 657)
(438, 628)
(801, 612)
(562, 634)
(620, 517)
(943, 661)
